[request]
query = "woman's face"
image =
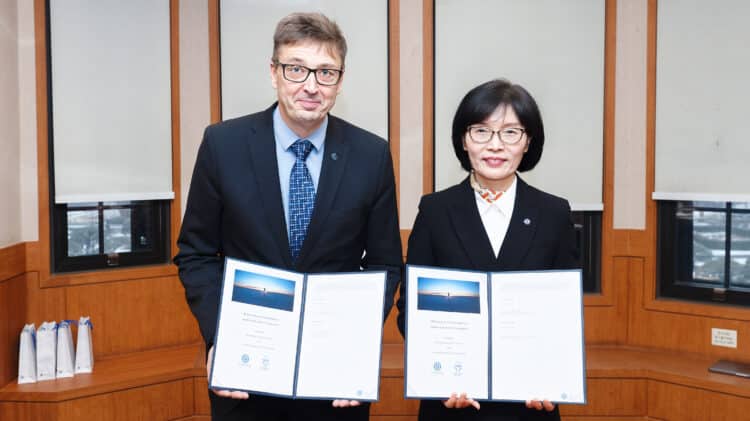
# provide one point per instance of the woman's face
(495, 162)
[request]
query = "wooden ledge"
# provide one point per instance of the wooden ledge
(614, 361)
(664, 366)
(114, 373)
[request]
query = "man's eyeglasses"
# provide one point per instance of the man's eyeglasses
(297, 73)
(483, 134)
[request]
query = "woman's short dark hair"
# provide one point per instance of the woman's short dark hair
(480, 102)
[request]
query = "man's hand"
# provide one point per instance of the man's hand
(462, 401)
(234, 394)
(539, 405)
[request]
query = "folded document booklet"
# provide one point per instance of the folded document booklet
(283, 333)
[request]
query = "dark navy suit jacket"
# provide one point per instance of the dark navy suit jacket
(235, 209)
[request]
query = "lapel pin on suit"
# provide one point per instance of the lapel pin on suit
(334, 156)
(527, 221)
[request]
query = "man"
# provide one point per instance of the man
(290, 187)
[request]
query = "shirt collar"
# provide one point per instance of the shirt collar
(504, 204)
(286, 137)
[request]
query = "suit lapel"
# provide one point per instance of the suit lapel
(331, 173)
(262, 146)
(521, 230)
(469, 228)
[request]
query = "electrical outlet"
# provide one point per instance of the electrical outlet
(724, 337)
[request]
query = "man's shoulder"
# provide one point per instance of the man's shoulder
(242, 123)
(355, 134)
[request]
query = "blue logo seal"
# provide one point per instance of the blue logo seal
(245, 358)
(458, 368)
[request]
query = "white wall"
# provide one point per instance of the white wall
(27, 122)
(195, 97)
(10, 209)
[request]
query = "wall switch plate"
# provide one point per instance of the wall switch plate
(724, 337)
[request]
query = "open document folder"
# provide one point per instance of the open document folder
(284, 333)
(507, 336)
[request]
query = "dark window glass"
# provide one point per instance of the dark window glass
(588, 227)
(110, 234)
(704, 251)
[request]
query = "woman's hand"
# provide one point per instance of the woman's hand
(461, 401)
(234, 394)
(539, 405)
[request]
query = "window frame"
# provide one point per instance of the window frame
(159, 233)
(588, 228)
(161, 212)
(675, 257)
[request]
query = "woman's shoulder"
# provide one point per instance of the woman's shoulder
(547, 200)
(444, 197)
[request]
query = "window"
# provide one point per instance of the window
(109, 101)
(588, 228)
(704, 251)
(110, 234)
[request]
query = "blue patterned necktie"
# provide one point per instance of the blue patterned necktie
(301, 197)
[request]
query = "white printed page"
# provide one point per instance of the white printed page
(256, 341)
(341, 336)
(537, 336)
(446, 333)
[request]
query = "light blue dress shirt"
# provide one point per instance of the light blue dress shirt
(285, 158)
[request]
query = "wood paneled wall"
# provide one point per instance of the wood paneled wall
(144, 309)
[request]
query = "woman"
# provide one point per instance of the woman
(493, 221)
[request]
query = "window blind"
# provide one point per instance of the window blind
(111, 100)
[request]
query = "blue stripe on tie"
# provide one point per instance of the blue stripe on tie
(301, 197)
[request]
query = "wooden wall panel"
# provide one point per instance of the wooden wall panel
(134, 315)
(679, 329)
(392, 400)
(578, 418)
(43, 304)
(608, 323)
(201, 404)
(673, 402)
(6, 356)
(391, 334)
(12, 269)
(611, 397)
(12, 261)
(158, 402)
(14, 312)
(26, 411)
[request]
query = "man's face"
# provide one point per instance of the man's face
(303, 106)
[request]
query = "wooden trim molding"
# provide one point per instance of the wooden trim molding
(39, 258)
(214, 60)
(175, 208)
(394, 91)
(428, 92)
(40, 41)
(607, 295)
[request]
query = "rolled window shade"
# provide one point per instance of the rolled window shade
(556, 51)
(111, 100)
(247, 45)
(702, 89)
